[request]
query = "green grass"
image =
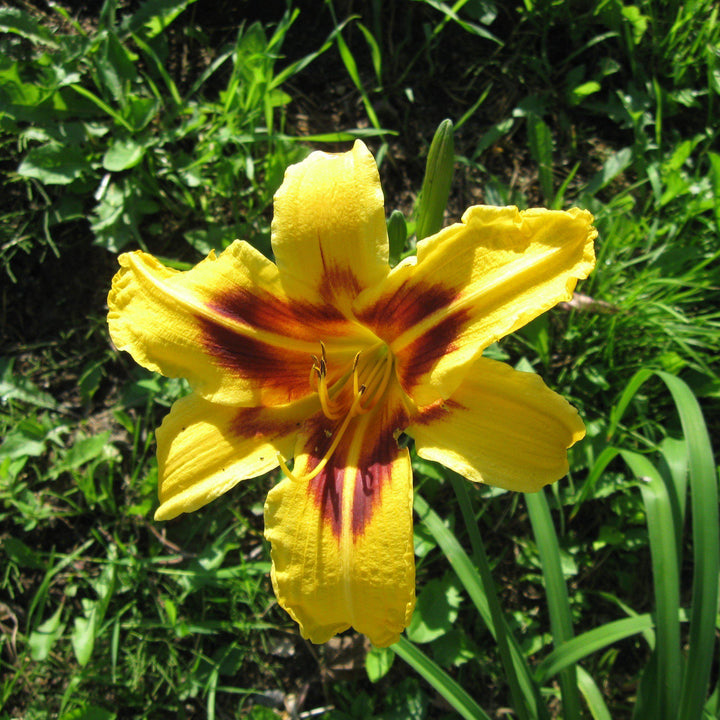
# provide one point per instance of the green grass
(169, 127)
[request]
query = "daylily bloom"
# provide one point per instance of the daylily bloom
(326, 355)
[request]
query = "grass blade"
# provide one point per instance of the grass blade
(557, 597)
(587, 643)
(705, 531)
(354, 73)
(457, 558)
(675, 455)
(666, 579)
(593, 696)
(628, 394)
(169, 83)
(706, 548)
(119, 119)
(601, 462)
(520, 702)
(478, 591)
(540, 144)
(440, 680)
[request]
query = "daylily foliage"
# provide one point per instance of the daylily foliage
(320, 360)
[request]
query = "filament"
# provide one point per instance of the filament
(333, 407)
(328, 453)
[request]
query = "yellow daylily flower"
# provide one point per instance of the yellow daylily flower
(326, 355)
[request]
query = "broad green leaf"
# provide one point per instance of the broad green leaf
(436, 610)
(140, 111)
(87, 628)
(29, 438)
(20, 554)
(153, 16)
(54, 164)
(115, 69)
(579, 93)
(492, 135)
(14, 20)
(123, 154)
(83, 451)
(90, 380)
(118, 214)
(454, 648)
(89, 712)
(378, 663)
(45, 636)
(17, 387)
(614, 165)
(680, 154)
(637, 21)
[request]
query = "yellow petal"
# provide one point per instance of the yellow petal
(205, 449)
(225, 325)
(328, 232)
(342, 542)
(501, 427)
(473, 283)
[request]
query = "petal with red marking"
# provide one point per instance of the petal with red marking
(328, 231)
(501, 427)
(225, 325)
(473, 283)
(342, 542)
(205, 449)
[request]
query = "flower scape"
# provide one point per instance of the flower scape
(317, 362)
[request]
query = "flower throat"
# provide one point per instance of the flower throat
(358, 391)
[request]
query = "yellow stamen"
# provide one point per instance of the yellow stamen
(328, 454)
(314, 373)
(326, 402)
(380, 389)
(373, 389)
